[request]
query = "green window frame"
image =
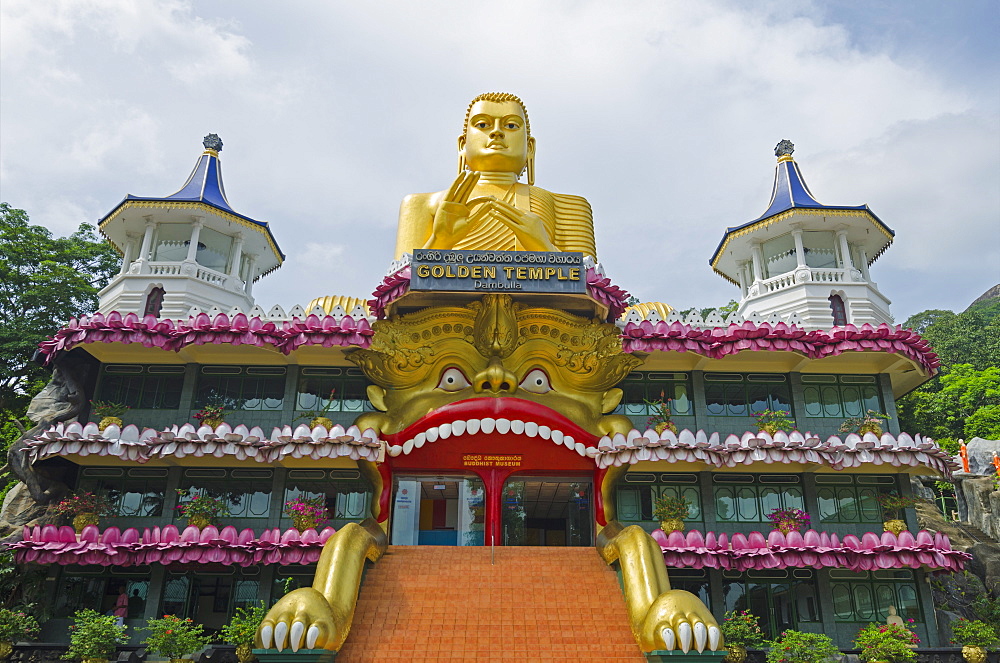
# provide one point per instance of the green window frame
(748, 498)
(241, 388)
(643, 387)
(323, 389)
(348, 495)
(746, 394)
(140, 386)
(846, 498)
(636, 492)
(840, 396)
(247, 492)
(782, 599)
(192, 594)
(135, 492)
(866, 596)
(98, 588)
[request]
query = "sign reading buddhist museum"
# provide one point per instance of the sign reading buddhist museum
(503, 271)
(491, 460)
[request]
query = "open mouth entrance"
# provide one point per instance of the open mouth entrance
(547, 511)
(439, 510)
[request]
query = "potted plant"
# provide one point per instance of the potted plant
(788, 520)
(872, 422)
(83, 508)
(108, 413)
(242, 629)
(799, 647)
(771, 421)
(886, 642)
(202, 509)
(318, 417)
(307, 513)
(975, 637)
(15, 626)
(740, 631)
(671, 512)
(211, 415)
(892, 507)
(659, 420)
(94, 637)
(174, 637)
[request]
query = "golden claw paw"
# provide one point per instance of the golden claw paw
(302, 619)
(677, 620)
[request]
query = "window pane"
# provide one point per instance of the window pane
(693, 496)
(680, 404)
(770, 499)
(733, 593)
(863, 603)
(779, 256)
(847, 508)
(171, 243)
(214, 249)
(175, 595)
(870, 510)
(715, 399)
(872, 401)
(908, 607)
(746, 505)
(736, 400)
(884, 597)
(814, 405)
(807, 602)
(831, 401)
(792, 498)
(819, 247)
(842, 607)
(853, 407)
(758, 395)
(725, 504)
(827, 504)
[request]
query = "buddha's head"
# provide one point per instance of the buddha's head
(496, 136)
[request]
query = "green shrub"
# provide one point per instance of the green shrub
(741, 628)
(798, 647)
(886, 642)
(93, 635)
(973, 633)
(17, 626)
(174, 637)
(242, 628)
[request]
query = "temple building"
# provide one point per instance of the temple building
(496, 391)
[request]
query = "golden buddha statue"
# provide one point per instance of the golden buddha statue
(486, 207)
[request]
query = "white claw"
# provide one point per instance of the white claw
(280, 631)
(312, 635)
(714, 636)
(700, 636)
(298, 628)
(684, 635)
(669, 639)
(265, 636)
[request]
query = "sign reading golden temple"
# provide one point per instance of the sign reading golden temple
(517, 271)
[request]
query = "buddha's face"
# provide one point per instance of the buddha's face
(496, 138)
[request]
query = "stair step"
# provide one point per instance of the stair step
(443, 603)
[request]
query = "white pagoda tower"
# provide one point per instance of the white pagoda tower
(804, 258)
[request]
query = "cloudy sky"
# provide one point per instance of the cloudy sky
(664, 114)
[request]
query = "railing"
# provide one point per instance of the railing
(211, 276)
(815, 276)
(164, 269)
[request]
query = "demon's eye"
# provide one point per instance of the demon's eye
(453, 380)
(536, 381)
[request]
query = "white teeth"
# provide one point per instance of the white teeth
(265, 636)
(700, 636)
(568, 441)
(530, 428)
(445, 431)
(395, 450)
(503, 426)
(557, 436)
(280, 631)
(311, 637)
(458, 427)
(580, 448)
(544, 432)
(432, 434)
(684, 635)
(472, 426)
(714, 635)
(488, 425)
(669, 639)
(517, 427)
(407, 447)
(419, 439)
(298, 629)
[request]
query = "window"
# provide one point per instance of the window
(867, 595)
(642, 388)
(154, 302)
(214, 249)
(99, 588)
(156, 387)
(840, 396)
(347, 494)
(209, 599)
(241, 387)
(171, 243)
(637, 491)
(839, 310)
(779, 256)
(748, 498)
(247, 492)
(739, 395)
(845, 498)
(782, 599)
(136, 492)
(820, 249)
(332, 390)
(290, 578)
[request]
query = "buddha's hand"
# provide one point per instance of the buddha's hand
(301, 619)
(677, 620)
(451, 218)
(528, 227)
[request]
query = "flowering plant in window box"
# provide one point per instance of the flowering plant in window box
(671, 512)
(94, 636)
(84, 508)
(174, 637)
(886, 642)
(211, 415)
(892, 506)
(787, 520)
(202, 509)
(307, 512)
(771, 421)
(740, 631)
(108, 412)
(872, 422)
(660, 419)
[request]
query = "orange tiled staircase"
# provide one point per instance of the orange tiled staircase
(438, 603)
